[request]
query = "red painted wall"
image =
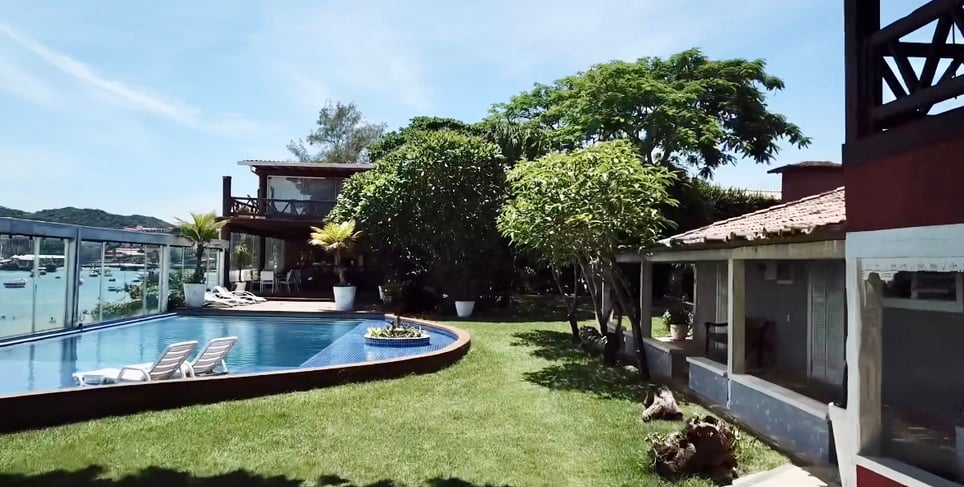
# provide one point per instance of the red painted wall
(917, 188)
(808, 181)
(869, 478)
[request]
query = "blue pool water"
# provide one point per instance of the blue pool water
(265, 343)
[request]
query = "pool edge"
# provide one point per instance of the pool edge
(45, 408)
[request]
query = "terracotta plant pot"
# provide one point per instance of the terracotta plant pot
(679, 332)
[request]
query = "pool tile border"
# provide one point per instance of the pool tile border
(50, 408)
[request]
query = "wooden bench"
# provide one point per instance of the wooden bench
(757, 331)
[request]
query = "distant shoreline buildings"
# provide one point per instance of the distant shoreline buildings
(144, 229)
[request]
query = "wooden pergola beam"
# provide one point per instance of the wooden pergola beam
(920, 17)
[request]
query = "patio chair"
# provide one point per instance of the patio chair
(266, 278)
(293, 277)
(169, 364)
(248, 298)
(212, 355)
(211, 299)
(240, 291)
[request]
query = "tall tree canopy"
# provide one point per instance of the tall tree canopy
(397, 138)
(430, 207)
(585, 206)
(342, 136)
(686, 111)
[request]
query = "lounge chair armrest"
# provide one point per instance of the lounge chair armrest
(143, 373)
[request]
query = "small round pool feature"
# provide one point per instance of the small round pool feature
(397, 333)
(421, 341)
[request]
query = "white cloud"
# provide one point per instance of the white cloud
(20, 82)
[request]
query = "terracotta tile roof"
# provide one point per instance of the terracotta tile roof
(806, 164)
(824, 211)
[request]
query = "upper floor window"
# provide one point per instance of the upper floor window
(303, 189)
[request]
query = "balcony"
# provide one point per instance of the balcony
(279, 209)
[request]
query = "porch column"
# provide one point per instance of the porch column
(261, 250)
(736, 309)
(226, 279)
(163, 276)
(864, 356)
(646, 298)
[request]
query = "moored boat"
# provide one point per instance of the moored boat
(15, 284)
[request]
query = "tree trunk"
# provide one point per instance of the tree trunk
(661, 405)
(339, 269)
(571, 308)
(199, 258)
(594, 295)
(623, 295)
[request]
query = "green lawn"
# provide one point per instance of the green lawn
(523, 408)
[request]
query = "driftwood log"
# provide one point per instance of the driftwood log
(660, 404)
(705, 447)
(591, 340)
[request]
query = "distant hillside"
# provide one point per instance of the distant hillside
(86, 216)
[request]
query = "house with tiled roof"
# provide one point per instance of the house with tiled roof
(767, 340)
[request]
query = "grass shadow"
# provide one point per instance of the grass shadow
(162, 477)
(576, 370)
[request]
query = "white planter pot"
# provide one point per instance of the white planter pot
(194, 295)
(464, 308)
(383, 295)
(679, 332)
(344, 298)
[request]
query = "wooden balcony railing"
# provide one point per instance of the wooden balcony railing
(272, 208)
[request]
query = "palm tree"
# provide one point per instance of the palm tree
(200, 229)
(337, 238)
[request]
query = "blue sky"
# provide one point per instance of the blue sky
(141, 107)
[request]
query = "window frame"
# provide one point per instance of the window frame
(923, 304)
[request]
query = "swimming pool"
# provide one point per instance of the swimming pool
(265, 343)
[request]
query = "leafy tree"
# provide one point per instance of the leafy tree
(684, 111)
(201, 229)
(342, 136)
(706, 203)
(429, 207)
(397, 138)
(585, 207)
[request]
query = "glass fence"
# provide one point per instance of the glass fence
(64, 276)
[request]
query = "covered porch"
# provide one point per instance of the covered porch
(768, 324)
(272, 257)
(767, 338)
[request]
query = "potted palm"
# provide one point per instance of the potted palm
(201, 229)
(339, 239)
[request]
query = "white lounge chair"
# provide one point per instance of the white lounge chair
(222, 291)
(172, 362)
(212, 355)
(211, 299)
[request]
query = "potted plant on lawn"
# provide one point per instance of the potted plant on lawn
(338, 239)
(678, 319)
(201, 229)
(464, 297)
